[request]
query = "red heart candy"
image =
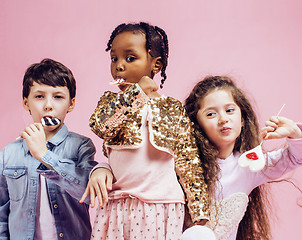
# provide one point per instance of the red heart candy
(252, 155)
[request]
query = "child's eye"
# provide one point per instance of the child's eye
(39, 96)
(210, 114)
(230, 110)
(59, 97)
(113, 59)
(130, 58)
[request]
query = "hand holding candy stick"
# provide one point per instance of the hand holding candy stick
(48, 121)
(254, 158)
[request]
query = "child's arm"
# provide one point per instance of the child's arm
(114, 109)
(4, 201)
(280, 127)
(285, 159)
(35, 138)
(75, 174)
(190, 171)
(100, 182)
(149, 87)
(70, 168)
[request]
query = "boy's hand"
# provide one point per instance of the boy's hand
(149, 86)
(280, 127)
(100, 181)
(35, 138)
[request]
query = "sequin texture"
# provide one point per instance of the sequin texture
(118, 120)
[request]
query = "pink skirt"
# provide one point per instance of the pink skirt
(130, 218)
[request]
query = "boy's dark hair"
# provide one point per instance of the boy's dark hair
(156, 42)
(49, 72)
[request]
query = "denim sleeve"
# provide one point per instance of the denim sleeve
(4, 202)
(70, 174)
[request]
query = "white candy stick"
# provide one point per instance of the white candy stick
(280, 110)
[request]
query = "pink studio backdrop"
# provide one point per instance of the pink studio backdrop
(257, 42)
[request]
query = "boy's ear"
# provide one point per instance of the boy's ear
(157, 65)
(72, 105)
(25, 104)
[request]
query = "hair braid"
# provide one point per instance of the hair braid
(113, 35)
(146, 28)
(165, 53)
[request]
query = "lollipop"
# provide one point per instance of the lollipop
(119, 81)
(254, 158)
(50, 121)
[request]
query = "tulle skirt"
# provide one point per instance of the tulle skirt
(129, 218)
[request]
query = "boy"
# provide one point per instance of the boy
(45, 172)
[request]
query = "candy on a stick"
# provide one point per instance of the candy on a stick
(254, 158)
(50, 121)
(119, 81)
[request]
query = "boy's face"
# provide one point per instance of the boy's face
(44, 100)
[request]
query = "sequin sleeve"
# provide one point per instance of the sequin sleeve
(189, 169)
(114, 108)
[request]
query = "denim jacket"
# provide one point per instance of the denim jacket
(72, 157)
(118, 119)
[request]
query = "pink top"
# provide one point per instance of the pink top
(146, 173)
(236, 183)
(45, 228)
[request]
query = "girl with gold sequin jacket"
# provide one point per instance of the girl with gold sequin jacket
(226, 130)
(149, 145)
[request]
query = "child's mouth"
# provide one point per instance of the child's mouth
(225, 129)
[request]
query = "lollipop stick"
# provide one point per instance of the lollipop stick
(280, 110)
(277, 116)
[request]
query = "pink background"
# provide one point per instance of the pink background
(257, 42)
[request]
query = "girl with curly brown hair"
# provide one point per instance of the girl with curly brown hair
(225, 127)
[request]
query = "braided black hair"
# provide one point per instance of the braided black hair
(156, 42)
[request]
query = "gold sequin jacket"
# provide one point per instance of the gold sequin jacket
(118, 120)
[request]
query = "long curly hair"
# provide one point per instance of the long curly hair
(255, 224)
